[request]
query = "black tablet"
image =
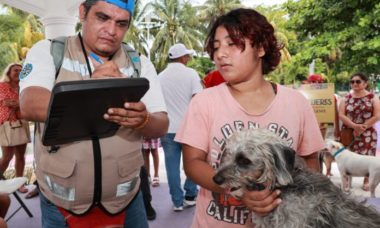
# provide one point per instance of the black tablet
(76, 108)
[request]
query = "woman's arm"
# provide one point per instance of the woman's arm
(376, 113)
(197, 168)
(358, 128)
(342, 114)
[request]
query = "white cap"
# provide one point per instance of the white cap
(179, 50)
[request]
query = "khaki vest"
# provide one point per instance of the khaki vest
(68, 177)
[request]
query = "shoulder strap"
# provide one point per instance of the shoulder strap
(57, 50)
(134, 56)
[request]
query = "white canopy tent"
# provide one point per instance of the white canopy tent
(59, 17)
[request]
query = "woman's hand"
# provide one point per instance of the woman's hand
(359, 129)
(261, 202)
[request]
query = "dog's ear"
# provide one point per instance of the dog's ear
(284, 158)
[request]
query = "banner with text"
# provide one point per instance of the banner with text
(321, 97)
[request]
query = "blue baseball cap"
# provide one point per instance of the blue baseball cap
(128, 5)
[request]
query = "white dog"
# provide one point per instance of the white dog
(351, 164)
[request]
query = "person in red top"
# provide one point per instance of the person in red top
(10, 110)
(213, 78)
(315, 78)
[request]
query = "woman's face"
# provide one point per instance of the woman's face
(358, 84)
(14, 72)
(234, 64)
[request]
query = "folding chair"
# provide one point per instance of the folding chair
(10, 186)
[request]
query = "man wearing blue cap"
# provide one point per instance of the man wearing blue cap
(82, 186)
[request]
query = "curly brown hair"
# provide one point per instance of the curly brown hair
(244, 24)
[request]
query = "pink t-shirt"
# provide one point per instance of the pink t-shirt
(214, 115)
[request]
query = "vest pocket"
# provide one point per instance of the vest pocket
(129, 170)
(127, 165)
(57, 175)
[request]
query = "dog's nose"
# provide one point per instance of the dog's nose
(218, 179)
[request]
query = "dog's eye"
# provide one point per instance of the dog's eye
(243, 161)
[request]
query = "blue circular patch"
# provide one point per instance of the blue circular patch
(25, 71)
(135, 59)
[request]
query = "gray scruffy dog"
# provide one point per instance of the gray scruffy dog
(256, 158)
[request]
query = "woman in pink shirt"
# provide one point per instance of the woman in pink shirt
(244, 48)
(10, 110)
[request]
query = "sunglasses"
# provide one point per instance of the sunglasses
(356, 81)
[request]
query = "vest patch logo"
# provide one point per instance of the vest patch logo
(135, 59)
(25, 71)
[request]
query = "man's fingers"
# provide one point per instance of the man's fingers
(137, 106)
(108, 69)
(131, 116)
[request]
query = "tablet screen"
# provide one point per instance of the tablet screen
(76, 108)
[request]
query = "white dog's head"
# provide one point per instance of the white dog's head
(332, 146)
(254, 159)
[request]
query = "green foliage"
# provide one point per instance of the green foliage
(8, 54)
(178, 25)
(18, 32)
(285, 72)
(12, 24)
(135, 35)
(212, 9)
(202, 65)
(342, 34)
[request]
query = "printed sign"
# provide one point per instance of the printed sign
(321, 97)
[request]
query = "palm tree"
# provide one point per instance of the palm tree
(277, 17)
(212, 9)
(135, 35)
(179, 24)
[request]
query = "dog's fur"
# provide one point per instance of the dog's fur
(256, 158)
(351, 164)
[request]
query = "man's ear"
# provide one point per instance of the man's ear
(82, 13)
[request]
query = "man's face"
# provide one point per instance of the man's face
(103, 28)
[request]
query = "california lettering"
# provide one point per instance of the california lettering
(234, 215)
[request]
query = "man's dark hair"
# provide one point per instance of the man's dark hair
(88, 4)
(248, 24)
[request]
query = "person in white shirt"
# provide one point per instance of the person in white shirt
(179, 84)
